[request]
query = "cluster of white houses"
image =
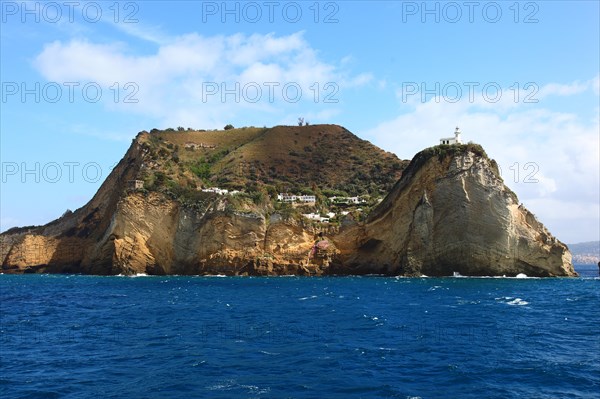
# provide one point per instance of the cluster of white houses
(347, 200)
(286, 197)
(324, 219)
(139, 184)
(220, 191)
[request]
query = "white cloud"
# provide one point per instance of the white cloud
(138, 30)
(488, 95)
(245, 50)
(569, 89)
(80, 60)
(551, 159)
(570, 220)
(176, 79)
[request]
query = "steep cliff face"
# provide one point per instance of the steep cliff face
(128, 231)
(63, 245)
(153, 234)
(451, 212)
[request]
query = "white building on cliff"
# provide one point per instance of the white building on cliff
(452, 140)
(286, 197)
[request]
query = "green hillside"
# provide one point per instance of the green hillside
(325, 160)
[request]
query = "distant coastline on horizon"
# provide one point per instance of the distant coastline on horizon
(585, 253)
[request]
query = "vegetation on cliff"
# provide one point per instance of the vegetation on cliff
(257, 164)
(251, 201)
(443, 151)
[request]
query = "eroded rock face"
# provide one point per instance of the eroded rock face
(448, 215)
(450, 212)
(152, 234)
(32, 253)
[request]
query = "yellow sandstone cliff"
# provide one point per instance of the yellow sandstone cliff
(449, 212)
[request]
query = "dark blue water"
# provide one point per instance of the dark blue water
(182, 337)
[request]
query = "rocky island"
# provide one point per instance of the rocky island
(291, 200)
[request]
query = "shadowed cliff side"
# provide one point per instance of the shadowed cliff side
(451, 212)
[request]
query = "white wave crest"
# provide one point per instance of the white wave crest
(518, 302)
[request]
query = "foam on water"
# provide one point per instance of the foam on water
(131, 275)
(518, 302)
(509, 300)
(307, 297)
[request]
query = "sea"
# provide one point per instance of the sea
(75, 336)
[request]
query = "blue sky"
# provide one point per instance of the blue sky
(80, 79)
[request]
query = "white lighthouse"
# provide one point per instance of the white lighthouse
(452, 140)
